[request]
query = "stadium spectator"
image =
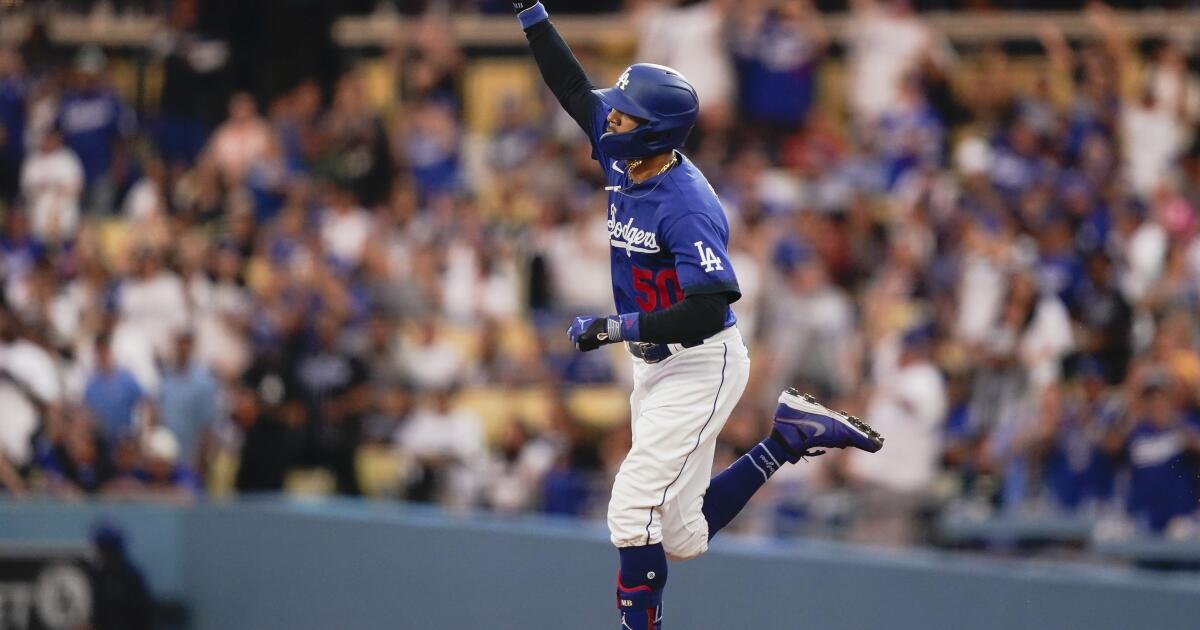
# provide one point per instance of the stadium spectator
(566, 486)
(94, 122)
(777, 53)
(1080, 464)
(443, 445)
(692, 40)
(10, 479)
(188, 401)
(355, 145)
(1106, 318)
(888, 41)
(1161, 449)
(810, 329)
(240, 141)
(345, 227)
(10, 169)
(909, 402)
(429, 144)
(516, 137)
(30, 391)
(1155, 130)
(432, 362)
(13, 94)
(333, 385)
(78, 461)
(511, 481)
(435, 64)
(159, 473)
(268, 446)
(1016, 447)
(153, 301)
(14, 85)
(146, 200)
(52, 184)
(112, 394)
(268, 394)
(191, 93)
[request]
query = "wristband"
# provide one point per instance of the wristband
(533, 15)
(624, 327)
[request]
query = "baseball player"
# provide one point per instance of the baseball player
(673, 284)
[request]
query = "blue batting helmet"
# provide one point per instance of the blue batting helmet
(660, 96)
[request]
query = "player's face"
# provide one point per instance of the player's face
(620, 122)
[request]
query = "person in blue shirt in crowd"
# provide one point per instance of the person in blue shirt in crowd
(1080, 464)
(777, 57)
(14, 89)
(910, 134)
(13, 96)
(1060, 268)
(188, 398)
(20, 251)
(1017, 164)
(93, 120)
(1161, 448)
(74, 458)
(111, 394)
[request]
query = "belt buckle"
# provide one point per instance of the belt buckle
(641, 350)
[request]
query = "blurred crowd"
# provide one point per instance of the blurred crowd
(993, 259)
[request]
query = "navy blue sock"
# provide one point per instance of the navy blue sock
(640, 586)
(644, 566)
(729, 491)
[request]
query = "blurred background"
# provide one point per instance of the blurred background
(330, 249)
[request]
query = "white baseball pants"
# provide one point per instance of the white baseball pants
(679, 406)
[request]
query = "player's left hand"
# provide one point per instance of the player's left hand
(589, 332)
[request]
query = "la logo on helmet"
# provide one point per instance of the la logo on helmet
(623, 82)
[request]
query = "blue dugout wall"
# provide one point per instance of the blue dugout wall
(277, 564)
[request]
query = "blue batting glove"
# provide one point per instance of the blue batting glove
(589, 332)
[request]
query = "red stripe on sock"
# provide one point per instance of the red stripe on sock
(643, 587)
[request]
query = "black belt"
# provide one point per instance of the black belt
(655, 352)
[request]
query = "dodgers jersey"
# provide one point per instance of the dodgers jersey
(668, 235)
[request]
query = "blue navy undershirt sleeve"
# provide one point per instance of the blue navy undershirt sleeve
(563, 74)
(694, 317)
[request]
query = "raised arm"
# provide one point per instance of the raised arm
(560, 70)
(1117, 44)
(1057, 48)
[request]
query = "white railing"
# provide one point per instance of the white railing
(387, 28)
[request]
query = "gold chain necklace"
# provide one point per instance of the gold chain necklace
(631, 165)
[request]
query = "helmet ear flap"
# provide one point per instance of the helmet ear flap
(650, 137)
(641, 143)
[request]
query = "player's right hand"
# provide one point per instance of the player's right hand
(589, 332)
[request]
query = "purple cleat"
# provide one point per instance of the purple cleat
(804, 424)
